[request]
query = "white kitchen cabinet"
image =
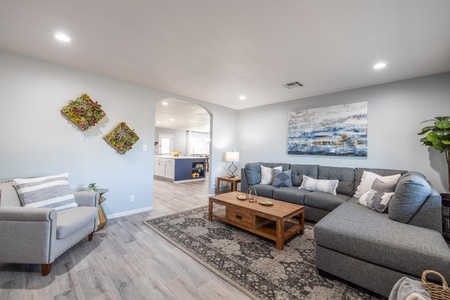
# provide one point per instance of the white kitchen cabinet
(165, 167)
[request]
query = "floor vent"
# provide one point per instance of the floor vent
(292, 85)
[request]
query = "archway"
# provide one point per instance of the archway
(188, 125)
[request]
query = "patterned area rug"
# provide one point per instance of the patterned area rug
(252, 263)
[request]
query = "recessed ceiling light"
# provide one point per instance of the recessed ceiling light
(62, 37)
(165, 103)
(158, 122)
(172, 119)
(379, 65)
(242, 97)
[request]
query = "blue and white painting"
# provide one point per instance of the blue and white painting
(339, 130)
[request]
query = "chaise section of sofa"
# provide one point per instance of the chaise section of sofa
(374, 250)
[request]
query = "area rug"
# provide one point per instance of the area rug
(252, 263)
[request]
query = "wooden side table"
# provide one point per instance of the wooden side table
(102, 218)
(233, 180)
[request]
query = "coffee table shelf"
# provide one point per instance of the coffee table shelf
(272, 222)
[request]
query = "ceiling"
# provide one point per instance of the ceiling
(216, 51)
(182, 115)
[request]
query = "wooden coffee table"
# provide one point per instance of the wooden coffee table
(272, 222)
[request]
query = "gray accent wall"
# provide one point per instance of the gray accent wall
(394, 113)
(37, 140)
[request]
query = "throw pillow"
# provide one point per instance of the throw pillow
(368, 178)
(281, 179)
(383, 187)
(411, 193)
(267, 174)
(319, 185)
(49, 191)
(377, 201)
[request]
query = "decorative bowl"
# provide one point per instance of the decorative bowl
(176, 153)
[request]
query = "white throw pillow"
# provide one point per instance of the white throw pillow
(319, 185)
(377, 201)
(368, 178)
(49, 191)
(267, 174)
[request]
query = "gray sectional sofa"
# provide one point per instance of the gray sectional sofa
(370, 249)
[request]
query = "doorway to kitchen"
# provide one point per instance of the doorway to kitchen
(182, 133)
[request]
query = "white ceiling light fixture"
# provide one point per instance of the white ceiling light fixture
(379, 65)
(242, 97)
(62, 37)
(165, 103)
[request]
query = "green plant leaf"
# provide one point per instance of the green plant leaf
(444, 124)
(426, 129)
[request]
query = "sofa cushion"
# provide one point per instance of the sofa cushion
(377, 239)
(48, 191)
(346, 177)
(264, 190)
(290, 194)
(325, 201)
(411, 192)
(267, 174)
(319, 185)
(297, 172)
(368, 178)
(71, 220)
(282, 178)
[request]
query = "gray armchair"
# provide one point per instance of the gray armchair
(40, 235)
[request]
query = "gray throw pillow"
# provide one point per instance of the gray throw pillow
(383, 187)
(411, 192)
(281, 179)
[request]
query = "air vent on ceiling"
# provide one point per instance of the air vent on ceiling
(292, 85)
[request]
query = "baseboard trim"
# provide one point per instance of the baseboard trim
(130, 212)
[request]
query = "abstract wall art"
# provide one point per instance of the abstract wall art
(339, 130)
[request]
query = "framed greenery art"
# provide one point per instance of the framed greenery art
(83, 111)
(122, 138)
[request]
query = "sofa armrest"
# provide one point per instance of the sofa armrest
(244, 182)
(86, 198)
(27, 214)
(27, 234)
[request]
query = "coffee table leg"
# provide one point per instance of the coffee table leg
(302, 222)
(210, 210)
(280, 234)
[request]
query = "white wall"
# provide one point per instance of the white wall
(36, 139)
(179, 138)
(394, 113)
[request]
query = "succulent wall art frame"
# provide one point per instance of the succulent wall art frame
(84, 112)
(122, 138)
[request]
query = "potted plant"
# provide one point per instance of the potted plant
(93, 187)
(199, 167)
(438, 137)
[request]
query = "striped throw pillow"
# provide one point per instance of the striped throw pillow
(319, 185)
(49, 191)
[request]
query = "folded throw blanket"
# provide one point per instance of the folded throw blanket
(408, 289)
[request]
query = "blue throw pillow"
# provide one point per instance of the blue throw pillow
(281, 179)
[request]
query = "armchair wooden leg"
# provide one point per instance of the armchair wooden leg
(46, 268)
(90, 236)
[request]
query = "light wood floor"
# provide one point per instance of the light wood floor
(125, 260)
